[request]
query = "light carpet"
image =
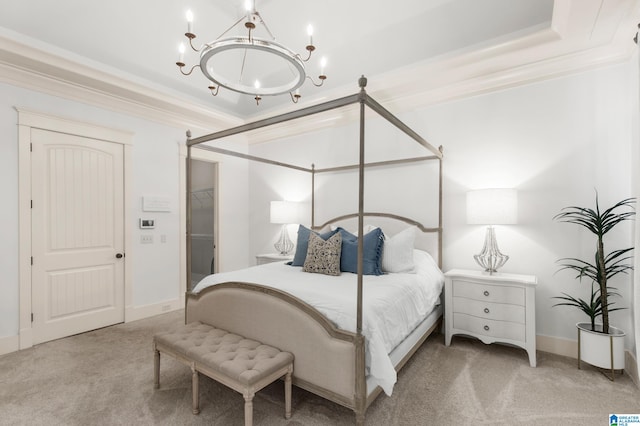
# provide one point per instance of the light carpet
(105, 377)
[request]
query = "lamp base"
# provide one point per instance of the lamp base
(284, 244)
(490, 257)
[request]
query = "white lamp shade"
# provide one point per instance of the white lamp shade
(284, 212)
(492, 207)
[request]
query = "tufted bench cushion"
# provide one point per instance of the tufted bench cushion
(244, 365)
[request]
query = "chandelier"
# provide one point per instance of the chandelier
(251, 65)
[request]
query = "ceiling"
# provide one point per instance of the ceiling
(424, 51)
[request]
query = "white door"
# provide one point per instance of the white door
(77, 234)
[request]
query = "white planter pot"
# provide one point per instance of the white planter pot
(601, 350)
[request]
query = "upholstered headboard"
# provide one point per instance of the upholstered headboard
(427, 239)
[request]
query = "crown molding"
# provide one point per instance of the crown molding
(36, 69)
(581, 36)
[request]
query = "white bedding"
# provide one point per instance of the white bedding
(393, 304)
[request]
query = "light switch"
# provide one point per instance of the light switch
(146, 239)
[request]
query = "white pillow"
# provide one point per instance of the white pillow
(397, 255)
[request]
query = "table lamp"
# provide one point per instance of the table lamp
(492, 207)
(285, 213)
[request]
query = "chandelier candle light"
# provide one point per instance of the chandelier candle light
(251, 65)
(492, 207)
(284, 213)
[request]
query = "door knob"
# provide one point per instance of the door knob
(119, 255)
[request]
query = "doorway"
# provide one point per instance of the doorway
(72, 192)
(77, 234)
(203, 219)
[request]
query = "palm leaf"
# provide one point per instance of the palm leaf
(604, 267)
(584, 269)
(580, 216)
(596, 222)
(611, 219)
(586, 307)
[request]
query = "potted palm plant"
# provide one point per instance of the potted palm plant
(599, 344)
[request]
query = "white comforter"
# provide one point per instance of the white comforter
(393, 304)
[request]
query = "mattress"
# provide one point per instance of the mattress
(394, 304)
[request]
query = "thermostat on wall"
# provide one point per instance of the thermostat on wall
(147, 223)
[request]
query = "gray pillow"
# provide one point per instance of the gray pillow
(323, 257)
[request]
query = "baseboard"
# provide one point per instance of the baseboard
(631, 367)
(134, 313)
(569, 348)
(557, 345)
(9, 344)
(24, 340)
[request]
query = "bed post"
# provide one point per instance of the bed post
(313, 196)
(440, 208)
(360, 398)
(188, 236)
(361, 384)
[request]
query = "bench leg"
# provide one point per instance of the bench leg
(156, 367)
(287, 393)
(195, 382)
(248, 408)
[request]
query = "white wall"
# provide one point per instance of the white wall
(555, 141)
(634, 87)
(9, 288)
(155, 163)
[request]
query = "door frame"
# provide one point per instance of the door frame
(28, 119)
(210, 157)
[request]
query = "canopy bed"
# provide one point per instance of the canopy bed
(344, 349)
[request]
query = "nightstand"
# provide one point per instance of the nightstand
(261, 259)
(493, 308)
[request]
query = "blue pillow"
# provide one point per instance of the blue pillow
(372, 252)
(302, 244)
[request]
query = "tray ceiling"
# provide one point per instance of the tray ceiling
(425, 51)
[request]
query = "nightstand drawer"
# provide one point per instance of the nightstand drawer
(487, 327)
(490, 293)
(494, 311)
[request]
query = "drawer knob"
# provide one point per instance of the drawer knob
(486, 310)
(486, 293)
(486, 328)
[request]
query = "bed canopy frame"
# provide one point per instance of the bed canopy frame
(364, 100)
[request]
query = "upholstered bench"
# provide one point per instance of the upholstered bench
(244, 365)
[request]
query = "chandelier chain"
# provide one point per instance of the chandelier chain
(244, 61)
(264, 24)
(230, 28)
